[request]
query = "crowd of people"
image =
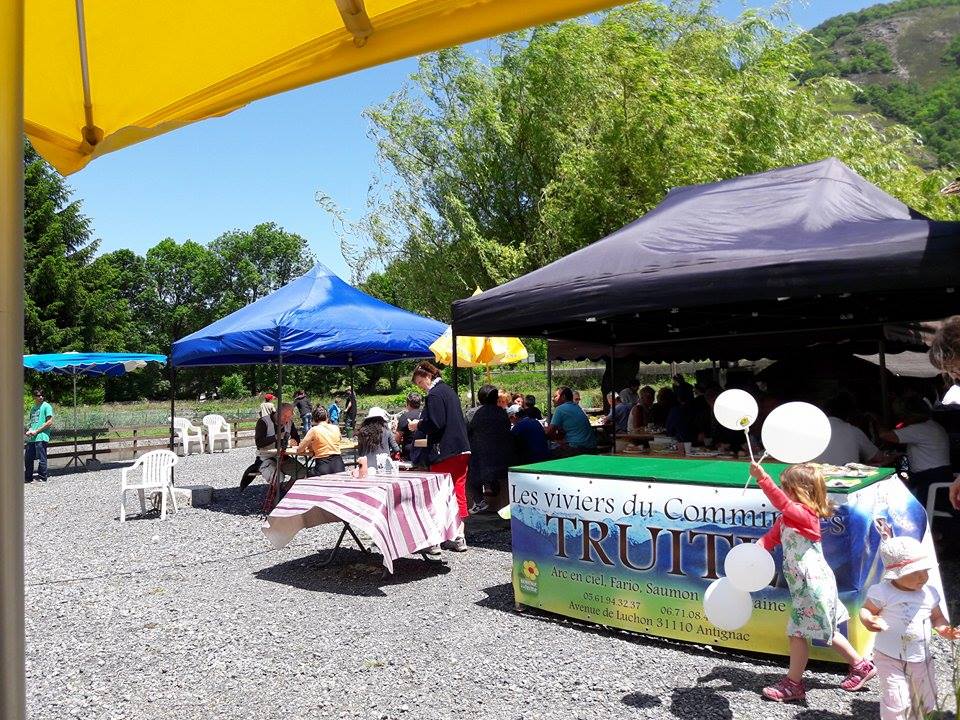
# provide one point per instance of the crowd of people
(915, 441)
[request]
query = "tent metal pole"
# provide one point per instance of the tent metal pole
(12, 697)
(353, 396)
(613, 399)
(173, 399)
(473, 395)
(884, 390)
(549, 384)
(76, 422)
(278, 433)
(453, 347)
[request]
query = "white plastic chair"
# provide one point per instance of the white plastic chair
(188, 434)
(156, 474)
(932, 512)
(218, 430)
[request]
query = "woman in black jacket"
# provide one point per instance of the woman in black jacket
(448, 448)
(491, 448)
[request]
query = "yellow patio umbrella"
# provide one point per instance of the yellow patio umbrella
(87, 77)
(478, 351)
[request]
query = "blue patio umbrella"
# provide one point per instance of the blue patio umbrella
(77, 363)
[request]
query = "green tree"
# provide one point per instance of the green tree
(57, 248)
(568, 132)
(183, 293)
(254, 263)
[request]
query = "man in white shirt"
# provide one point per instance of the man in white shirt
(928, 448)
(848, 443)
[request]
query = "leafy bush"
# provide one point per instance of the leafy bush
(951, 56)
(399, 400)
(233, 387)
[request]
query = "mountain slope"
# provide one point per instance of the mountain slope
(905, 57)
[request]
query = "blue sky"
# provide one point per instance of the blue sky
(267, 161)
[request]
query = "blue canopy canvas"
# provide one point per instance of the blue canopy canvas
(77, 363)
(317, 319)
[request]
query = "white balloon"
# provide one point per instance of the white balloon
(725, 606)
(749, 567)
(796, 432)
(735, 409)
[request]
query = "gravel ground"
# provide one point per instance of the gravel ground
(196, 618)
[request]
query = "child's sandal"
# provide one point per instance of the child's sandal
(859, 675)
(786, 691)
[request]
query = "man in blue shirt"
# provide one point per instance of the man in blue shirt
(570, 427)
(530, 441)
(36, 437)
(619, 413)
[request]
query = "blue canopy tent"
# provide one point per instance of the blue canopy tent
(317, 319)
(77, 363)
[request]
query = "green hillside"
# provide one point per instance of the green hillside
(905, 57)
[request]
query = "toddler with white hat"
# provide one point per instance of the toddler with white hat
(901, 609)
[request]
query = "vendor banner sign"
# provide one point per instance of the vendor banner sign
(639, 554)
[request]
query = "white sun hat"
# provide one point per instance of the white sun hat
(904, 555)
(377, 412)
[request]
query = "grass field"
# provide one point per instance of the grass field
(152, 416)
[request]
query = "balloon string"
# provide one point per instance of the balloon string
(746, 434)
(747, 484)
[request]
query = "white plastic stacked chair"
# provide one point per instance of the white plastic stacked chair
(932, 512)
(156, 474)
(188, 433)
(218, 430)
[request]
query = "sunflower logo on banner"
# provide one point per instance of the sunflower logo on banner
(528, 577)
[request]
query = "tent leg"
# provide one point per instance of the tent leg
(12, 698)
(473, 395)
(75, 460)
(353, 394)
(173, 398)
(884, 390)
(453, 347)
(278, 475)
(549, 383)
(613, 402)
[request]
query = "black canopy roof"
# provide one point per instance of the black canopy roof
(812, 252)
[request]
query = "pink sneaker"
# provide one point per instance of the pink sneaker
(786, 691)
(859, 675)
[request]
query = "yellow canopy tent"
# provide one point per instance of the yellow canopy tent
(85, 78)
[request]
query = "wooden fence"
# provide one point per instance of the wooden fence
(128, 443)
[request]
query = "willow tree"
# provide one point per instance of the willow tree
(493, 166)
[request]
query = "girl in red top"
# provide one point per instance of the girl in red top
(817, 610)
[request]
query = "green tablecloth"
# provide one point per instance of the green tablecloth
(691, 471)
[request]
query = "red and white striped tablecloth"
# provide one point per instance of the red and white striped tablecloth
(403, 513)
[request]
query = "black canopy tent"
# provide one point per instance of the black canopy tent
(782, 260)
(806, 251)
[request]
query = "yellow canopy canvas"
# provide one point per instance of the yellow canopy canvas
(104, 74)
